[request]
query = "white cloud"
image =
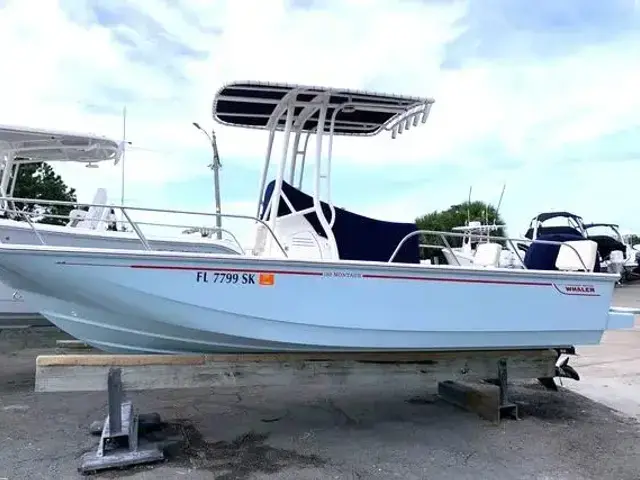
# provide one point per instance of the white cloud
(66, 72)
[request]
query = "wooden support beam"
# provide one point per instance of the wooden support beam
(58, 373)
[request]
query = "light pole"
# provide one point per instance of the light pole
(215, 166)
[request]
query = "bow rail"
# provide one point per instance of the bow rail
(134, 224)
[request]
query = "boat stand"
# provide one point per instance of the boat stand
(483, 398)
(123, 439)
(119, 444)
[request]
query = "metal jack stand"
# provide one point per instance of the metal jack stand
(119, 441)
(506, 408)
(483, 400)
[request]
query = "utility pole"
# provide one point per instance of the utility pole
(124, 144)
(215, 166)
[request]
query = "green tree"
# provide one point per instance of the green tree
(456, 216)
(634, 239)
(39, 181)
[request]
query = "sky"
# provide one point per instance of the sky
(541, 97)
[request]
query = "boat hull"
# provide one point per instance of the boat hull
(15, 303)
(145, 302)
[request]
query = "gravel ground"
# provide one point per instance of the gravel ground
(394, 431)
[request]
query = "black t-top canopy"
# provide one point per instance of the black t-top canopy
(592, 225)
(543, 217)
(252, 104)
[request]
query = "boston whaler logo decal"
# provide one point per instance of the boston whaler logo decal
(589, 290)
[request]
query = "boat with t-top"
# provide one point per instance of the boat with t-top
(320, 277)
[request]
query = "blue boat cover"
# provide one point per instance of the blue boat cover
(542, 256)
(357, 237)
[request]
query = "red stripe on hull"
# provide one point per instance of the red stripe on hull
(227, 270)
(459, 280)
(365, 275)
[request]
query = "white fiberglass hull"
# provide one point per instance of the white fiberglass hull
(15, 304)
(145, 302)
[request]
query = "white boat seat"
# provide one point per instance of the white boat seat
(568, 260)
(297, 236)
(616, 256)
(487, 254)
(76, 216)
(616, 262)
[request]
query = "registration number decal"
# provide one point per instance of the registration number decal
(235, 278)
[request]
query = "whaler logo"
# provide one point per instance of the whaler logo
(580, 289)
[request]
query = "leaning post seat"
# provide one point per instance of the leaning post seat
(543, 256)
(577, 256)
(357, 237)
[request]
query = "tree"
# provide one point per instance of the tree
(39, 181)
(634, 239)
(456, 216)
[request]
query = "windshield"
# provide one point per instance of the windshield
(602, 230)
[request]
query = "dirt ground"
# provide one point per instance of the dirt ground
(391, 431)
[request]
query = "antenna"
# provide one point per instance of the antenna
(495, 218)
(469, 206)
(486, 220)
(499, 203)
(124, 148)
(124, 143)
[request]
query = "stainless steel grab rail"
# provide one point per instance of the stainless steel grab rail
(482, 237)
(125, 211)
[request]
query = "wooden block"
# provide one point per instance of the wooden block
(482, 399)
(57, 373)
